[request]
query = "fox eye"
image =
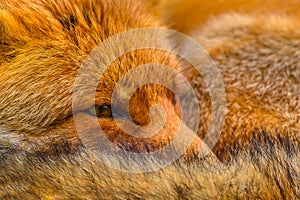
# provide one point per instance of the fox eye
(101, 111)
(174, 100)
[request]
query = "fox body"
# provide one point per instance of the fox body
(41, 152)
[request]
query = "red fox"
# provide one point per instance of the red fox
(45, 43)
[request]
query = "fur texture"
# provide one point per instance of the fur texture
(41, 54)
(41, 156)
(267, 172)
(258, 58)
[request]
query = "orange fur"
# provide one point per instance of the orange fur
(259, 62)
(41, 53)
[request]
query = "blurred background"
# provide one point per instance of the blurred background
(186, 15)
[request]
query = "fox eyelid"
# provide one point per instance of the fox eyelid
(102, 111)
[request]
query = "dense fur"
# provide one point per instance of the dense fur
(258, 57)
(42, 157)
(266, 173)
(42, 52)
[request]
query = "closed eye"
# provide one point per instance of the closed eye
(103, 111)
(174, 100)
